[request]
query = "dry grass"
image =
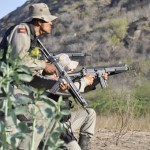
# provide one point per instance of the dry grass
(115, 123)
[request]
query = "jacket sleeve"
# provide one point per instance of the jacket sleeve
(81, 84)
(19, 41)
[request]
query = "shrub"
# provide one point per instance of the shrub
(10, 107)
(119, 27)
(116, 101)
(142, 100)
(108, 102)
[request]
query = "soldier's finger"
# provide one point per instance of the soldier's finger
(57, 74)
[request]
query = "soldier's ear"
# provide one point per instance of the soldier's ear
(36, 22)
(39, 23)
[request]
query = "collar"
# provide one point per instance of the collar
(33, 36)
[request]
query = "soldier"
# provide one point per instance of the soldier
(80, 119)
(20, 38)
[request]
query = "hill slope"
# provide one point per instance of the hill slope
(108, 30)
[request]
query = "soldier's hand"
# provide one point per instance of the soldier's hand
(89, 79)
(51, 69)
(105, 75)
(64, 86)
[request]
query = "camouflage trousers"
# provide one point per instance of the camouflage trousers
(25, 144)
(39, 133)
(82, 122)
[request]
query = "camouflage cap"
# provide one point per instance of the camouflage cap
(40, 11)
(66, 62)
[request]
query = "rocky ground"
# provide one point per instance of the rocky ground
(112, 140)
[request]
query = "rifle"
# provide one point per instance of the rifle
(62, 76)
(98, 71)
(71, 54)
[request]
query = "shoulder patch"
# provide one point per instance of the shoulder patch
(22, 30)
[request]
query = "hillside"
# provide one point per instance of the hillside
(109, 30)
(112, 32)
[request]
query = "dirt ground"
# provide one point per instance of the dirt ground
(112, 140)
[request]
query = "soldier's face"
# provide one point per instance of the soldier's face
(46, 27)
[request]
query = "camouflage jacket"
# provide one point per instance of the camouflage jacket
(19, 38)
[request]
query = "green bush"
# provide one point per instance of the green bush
(115, 40)
(12, 72)
(107, 102)
(119, 27)
(116, 101)
(142, 100)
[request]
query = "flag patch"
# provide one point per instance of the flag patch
(22, 30)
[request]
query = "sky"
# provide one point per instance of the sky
(7, 6)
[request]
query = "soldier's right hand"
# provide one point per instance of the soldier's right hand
(51, 69)
(64, 85)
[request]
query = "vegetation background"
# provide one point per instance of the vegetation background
(113, 32)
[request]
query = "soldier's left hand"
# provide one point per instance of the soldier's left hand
(105, 75)
(89, 79)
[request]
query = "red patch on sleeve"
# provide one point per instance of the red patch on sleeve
(22, 30)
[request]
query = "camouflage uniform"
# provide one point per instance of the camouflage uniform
(82, 122)
(20, 38)
(78, 120)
